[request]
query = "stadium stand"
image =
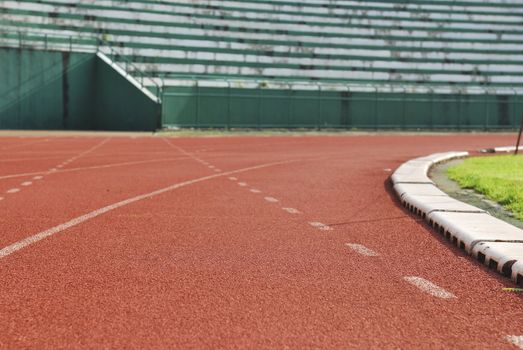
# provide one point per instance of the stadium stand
(284, 63)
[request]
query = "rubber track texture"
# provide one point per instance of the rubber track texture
(214, 265)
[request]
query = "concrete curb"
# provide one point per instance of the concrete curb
(491, 241)
(505, 149)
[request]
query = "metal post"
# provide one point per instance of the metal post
(318, 119)
(376, 108)
(431, 108)
(515, 103)
(486, 110)
(403, 108)
(519, 136)
(259, 106)
(459, 110)
(228, 105)
(289, 110)
(197, 104)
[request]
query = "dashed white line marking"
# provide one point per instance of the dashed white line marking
(59, 166)
(232, 178)
(1, 198)
(253, 190)
(517, 340)
(388, 170)
(320, 226)
(53, 169)
(211, 166)
(27, 183)
(38, 177)
(10, 249)
(13, 190)
(217, 170)
(242, 184)
(429, 287)
(291, 210)
(361, 249)
(271, 199)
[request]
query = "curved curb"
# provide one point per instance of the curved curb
(491, 241)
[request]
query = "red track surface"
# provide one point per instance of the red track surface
(211, 264)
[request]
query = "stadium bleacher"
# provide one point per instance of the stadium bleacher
(320, 63)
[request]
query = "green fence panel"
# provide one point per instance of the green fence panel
(65, 91)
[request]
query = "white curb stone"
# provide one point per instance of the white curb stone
(418, 189)
(493, 242)
(502, 256)
(425, 205)
(507, 149)
(468, 229)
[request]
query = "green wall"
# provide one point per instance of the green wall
(206, 107)
(121, 106)
(69, 91)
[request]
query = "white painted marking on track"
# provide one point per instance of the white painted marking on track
(232, 178)
(218, 170)
(1, 198)
(38, 177)
(10, 249)
(321, 226)
(254, 190)
(211, 166)
(361, 249)
(53, 170)
(26, 183)
(429, 287)
(94, 167)
(292, 210)
(59, 166)
(242, 184)
(388, 170)
(13, 190)
(517, 340)
(271, 199)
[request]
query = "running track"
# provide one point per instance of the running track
(260, 242)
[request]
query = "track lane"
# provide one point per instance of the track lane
(216, 265)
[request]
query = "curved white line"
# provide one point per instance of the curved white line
(10, 249)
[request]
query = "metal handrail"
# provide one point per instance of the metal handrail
(129, 63)
(27, 35)
(97, 43)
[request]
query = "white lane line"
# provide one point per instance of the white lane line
(211, 166)
(232, 178)
(388, 170)
(321, 226)
(38, 177)
(254, 190)
(361, 249)
(27, 183)
(1, 198)
(292, 210)
(27, 159)
(429, 287)
(59, 166)
(23, 145)
(111, 165)
(10, 249)
(218, 170)
(13, 190)
(242, 184)
(517, 340)
(53, 170)
(271, 199)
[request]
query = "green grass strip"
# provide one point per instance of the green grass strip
(499, 178)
